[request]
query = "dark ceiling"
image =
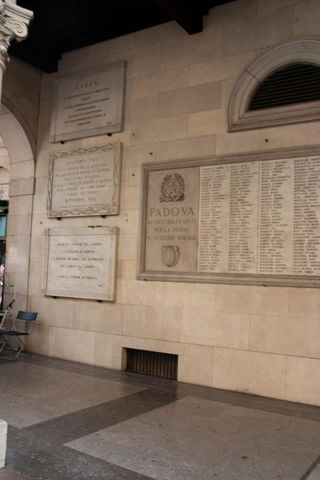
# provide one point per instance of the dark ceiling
(63, 25)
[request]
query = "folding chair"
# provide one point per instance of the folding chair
(11, 339)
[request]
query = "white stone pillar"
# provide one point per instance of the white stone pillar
(14, 21)
(3, 442)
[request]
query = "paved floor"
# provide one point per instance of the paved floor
(71, 421)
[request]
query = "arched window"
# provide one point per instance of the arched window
(280, 87)
(293, 83)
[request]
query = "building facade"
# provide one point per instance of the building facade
(182, 99)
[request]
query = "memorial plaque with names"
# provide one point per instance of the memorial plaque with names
(244, 219)
(85, 182)
(81, 263)
(89, 103)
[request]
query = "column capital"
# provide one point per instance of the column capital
(14, 22)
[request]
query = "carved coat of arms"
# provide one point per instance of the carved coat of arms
(172, 188)
(170, 255)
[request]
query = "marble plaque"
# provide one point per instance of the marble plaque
(85, 182)
(172, 220)
(89, 103)
(81, 262)
(253, 220)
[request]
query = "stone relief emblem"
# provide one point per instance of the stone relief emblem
(172, 188)
(170, 255)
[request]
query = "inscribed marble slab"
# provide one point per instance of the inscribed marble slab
(250, 219)
(81, 263)
(172, 220)
(85, 182)
(89, 103)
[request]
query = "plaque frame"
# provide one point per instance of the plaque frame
(90, 210)
(81, 232)
(116, 125)
(306, 281)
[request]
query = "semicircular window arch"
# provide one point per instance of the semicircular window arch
(280, 87)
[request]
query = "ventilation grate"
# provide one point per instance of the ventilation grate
(162, 365)
(295, 83)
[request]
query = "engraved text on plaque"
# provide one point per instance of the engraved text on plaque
(82, 263)
(89, 103)
(251, 220)
(85, 182)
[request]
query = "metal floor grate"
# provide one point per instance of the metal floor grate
(162, 365)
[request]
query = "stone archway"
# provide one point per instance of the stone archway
(21, 192)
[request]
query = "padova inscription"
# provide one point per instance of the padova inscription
(81, 262)
(88, 103)
(85, 182)
(172, 220)
(245, 219)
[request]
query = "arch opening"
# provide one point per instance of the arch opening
(17, 157)
(269, 92)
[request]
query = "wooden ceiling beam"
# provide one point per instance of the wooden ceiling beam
(188, 14)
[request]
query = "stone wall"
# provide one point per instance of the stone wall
(261, 340)
(21, 93)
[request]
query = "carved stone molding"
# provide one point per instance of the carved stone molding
(302, 50)
(14, 21)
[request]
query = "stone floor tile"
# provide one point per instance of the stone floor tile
(7, 474)
(70, 421)
(194, 438)
(314, 475)
(32, 393)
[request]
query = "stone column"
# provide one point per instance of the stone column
(3, 442)
(14, 21)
